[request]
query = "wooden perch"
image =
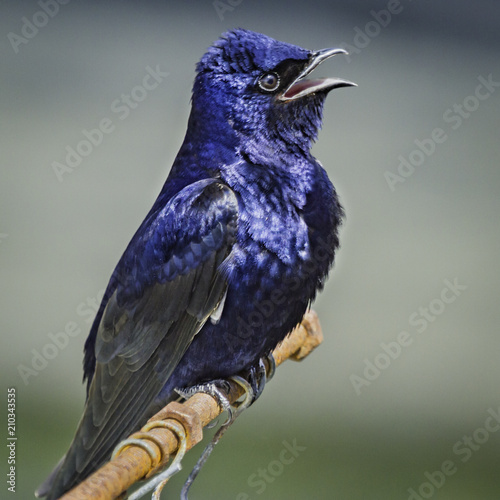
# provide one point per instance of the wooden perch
(152, 449)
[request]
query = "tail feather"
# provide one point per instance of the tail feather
(44, 489)
(65, 475)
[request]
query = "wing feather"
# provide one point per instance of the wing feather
(147, 327)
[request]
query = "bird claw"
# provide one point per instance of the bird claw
(216, 388)
(257, 377)
(271, 366)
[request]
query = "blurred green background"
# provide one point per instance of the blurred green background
(418, 69)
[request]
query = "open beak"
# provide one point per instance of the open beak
(301, 87)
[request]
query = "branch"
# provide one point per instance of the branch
(136, 462)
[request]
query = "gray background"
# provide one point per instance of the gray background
(59, 241)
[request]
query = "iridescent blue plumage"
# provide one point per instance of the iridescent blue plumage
(231, 254)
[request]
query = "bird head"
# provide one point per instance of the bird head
(252, 85)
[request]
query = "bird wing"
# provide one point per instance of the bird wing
(171, 285)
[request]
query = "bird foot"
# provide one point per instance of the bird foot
(216, 388)
(257, 376)
(253, 384)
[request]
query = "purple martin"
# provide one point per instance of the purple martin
(230, 256)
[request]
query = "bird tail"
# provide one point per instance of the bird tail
(66, 475)
(44, 489)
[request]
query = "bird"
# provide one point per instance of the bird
(237, 245)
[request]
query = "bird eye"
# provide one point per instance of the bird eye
(269, 82)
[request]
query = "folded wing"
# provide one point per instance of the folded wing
(170, 285)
